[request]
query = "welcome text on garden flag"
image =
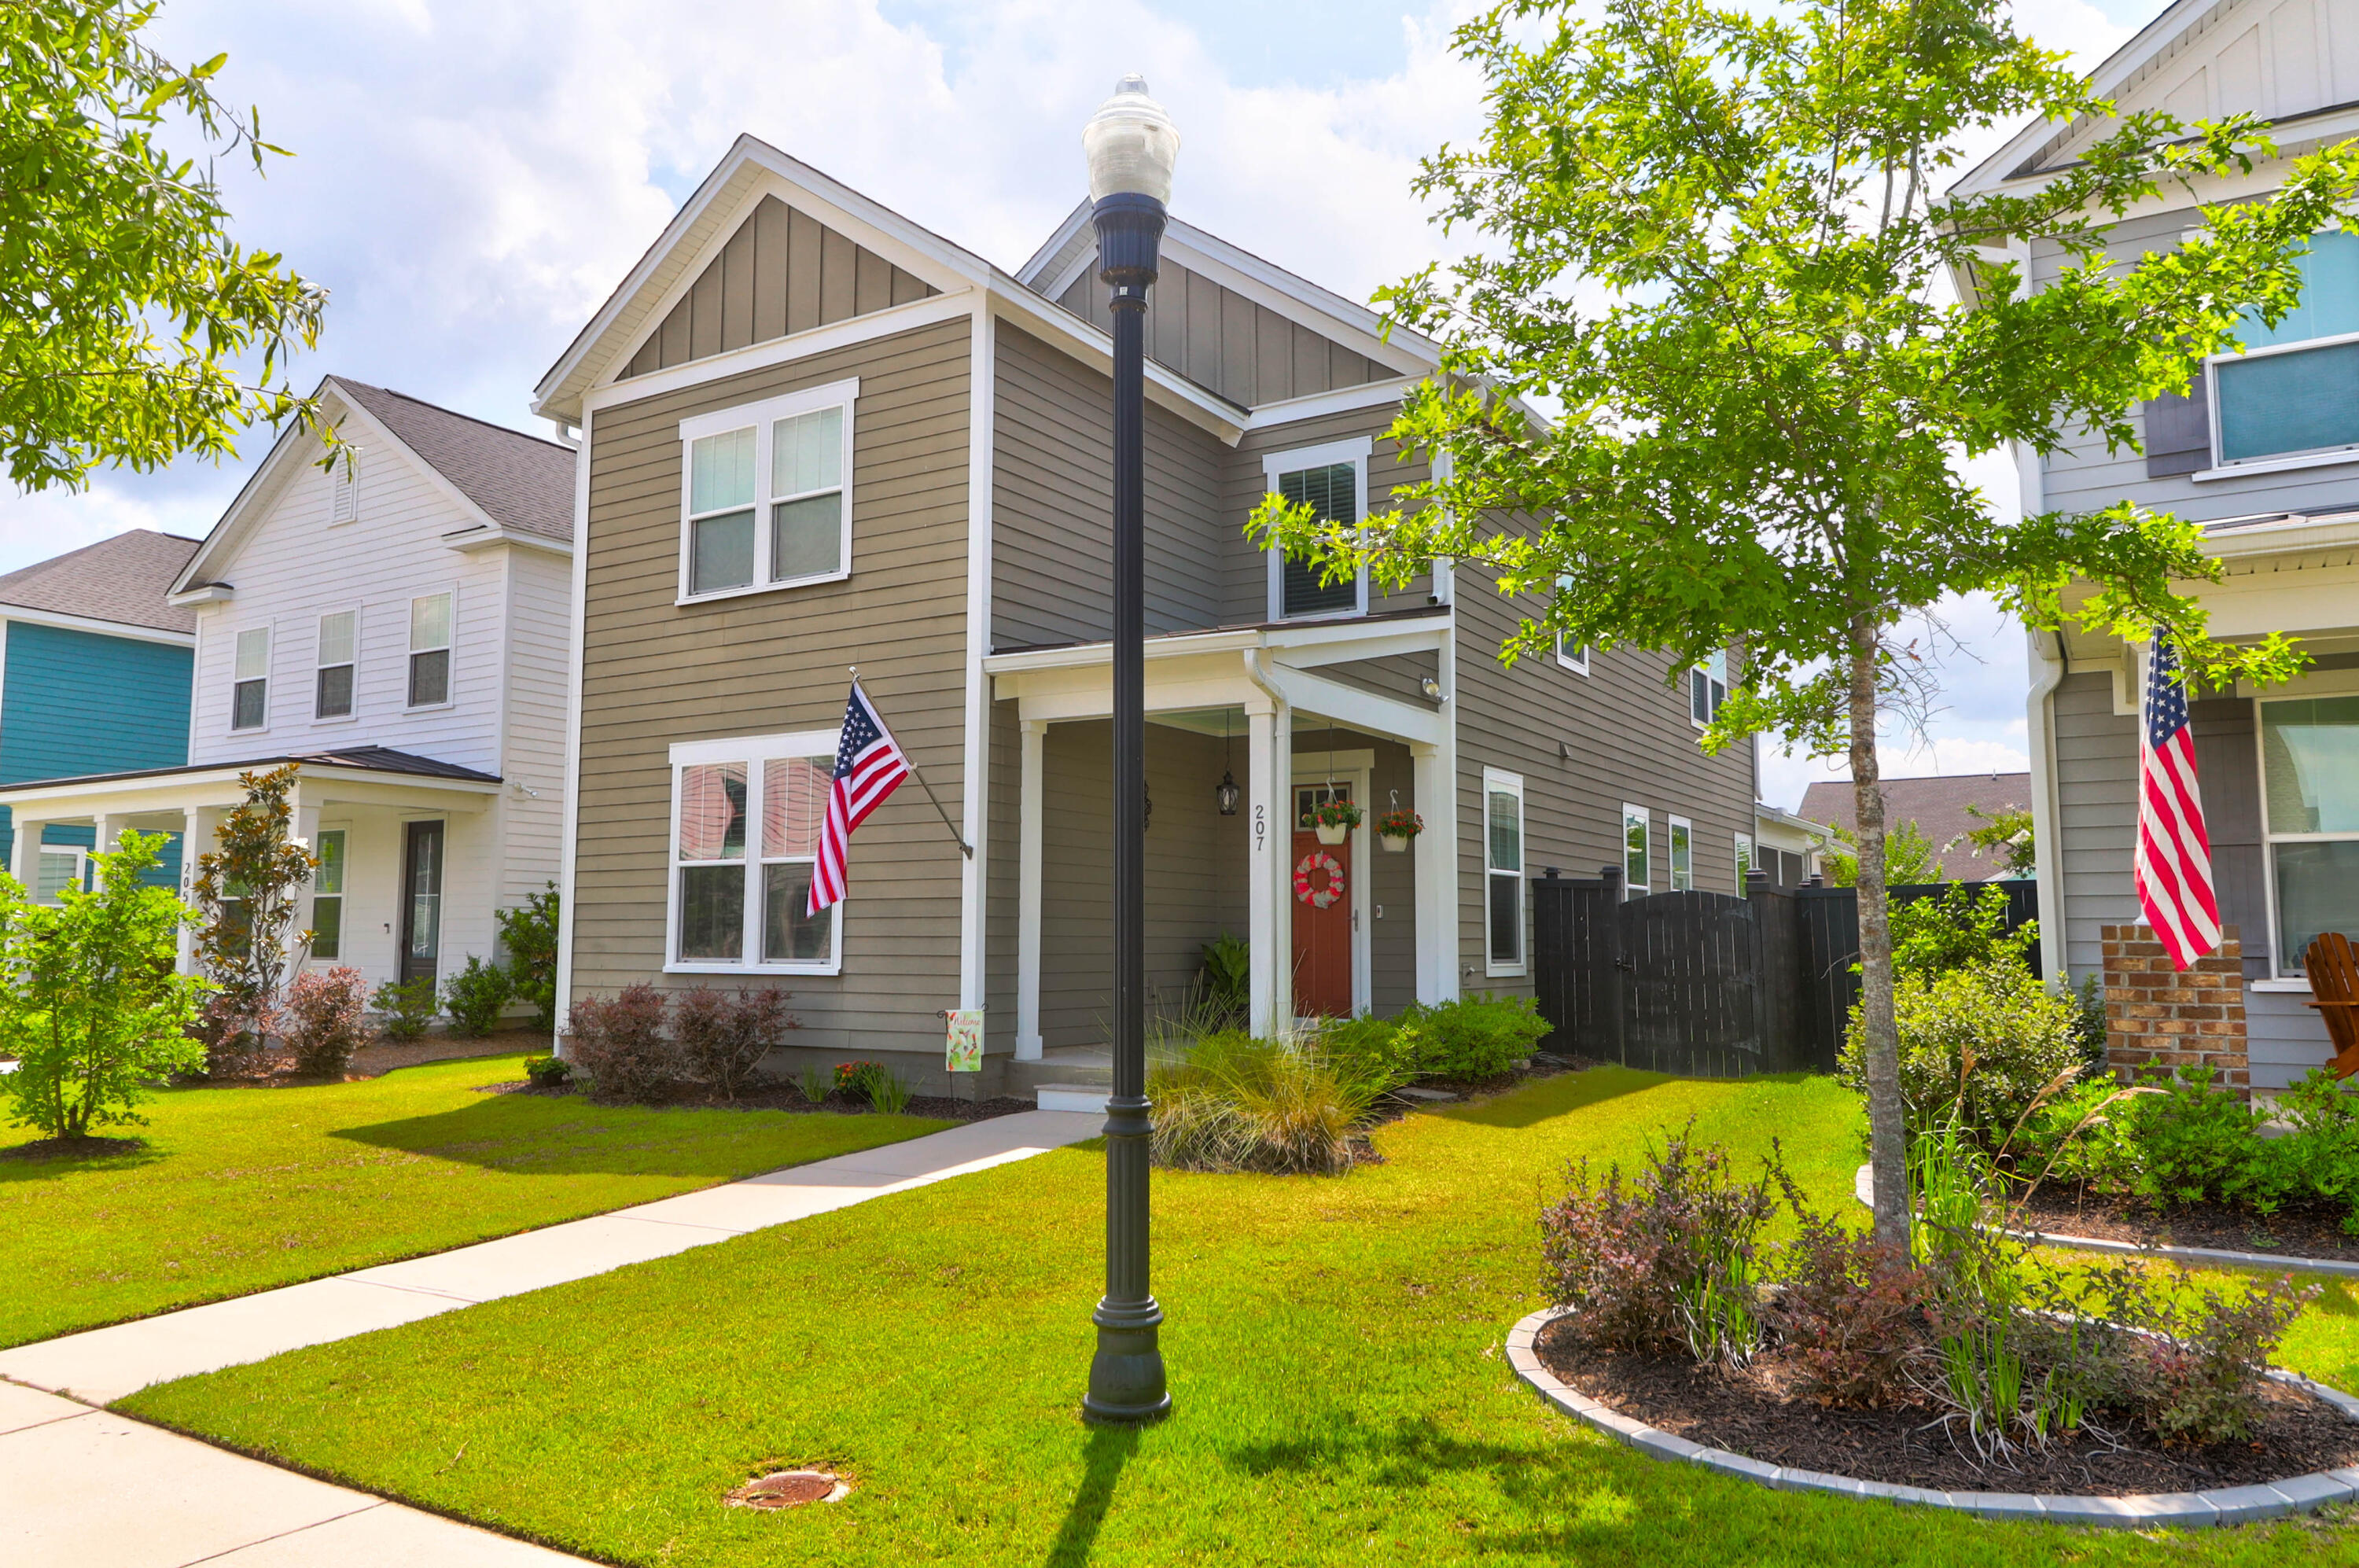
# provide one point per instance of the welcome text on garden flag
(2173, 865)
(869, 766)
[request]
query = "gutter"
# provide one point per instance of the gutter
(2046, 851)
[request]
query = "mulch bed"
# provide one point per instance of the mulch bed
(1748, 1413)
(42, 1149)
(2310, 1232)
(786, 1097)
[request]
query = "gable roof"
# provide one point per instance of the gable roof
(124, 580)
(358, 758)
(1938, 806)
(520, 481)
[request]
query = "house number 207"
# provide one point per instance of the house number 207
(1261, 826)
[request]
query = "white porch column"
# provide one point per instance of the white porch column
(1437, 887)
(1262, 819)
(199, 827)
(109, 837)
(1027, 891)
(306, 829)
(25, 859)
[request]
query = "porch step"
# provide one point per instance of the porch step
(1091, 1097)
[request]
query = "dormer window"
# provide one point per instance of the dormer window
(767, 496)
(249, 693)
(1332, 481)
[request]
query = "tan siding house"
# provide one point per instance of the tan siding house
(788, 477)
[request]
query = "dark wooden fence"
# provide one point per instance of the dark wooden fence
(1704, 983)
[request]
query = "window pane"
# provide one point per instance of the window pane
(2311, 749)
(1506, 815)
(2318, 890)
(1304, 594)
(254, 654)
(1699, 697)
(247, 702)
(721, 471)
(788, 935)
(336, 638)
(327, 928)
(807, 452)
(2329, 296)
(329, 876)
(712, 912)
(2289, 402)
(1743, 859)
(1635, 873)
(58, 870)
(721, 552)
(1332, 492)
(807, 537)
(334, 698)
(794, 804)
(430, 622)
(1506, 920)
(712, 812)
(1683, 857)
(429, 678)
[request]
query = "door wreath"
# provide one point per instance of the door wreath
(1320, 898)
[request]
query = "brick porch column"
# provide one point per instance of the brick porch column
(2160, 1017)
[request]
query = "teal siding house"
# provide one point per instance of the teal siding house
(95, 677)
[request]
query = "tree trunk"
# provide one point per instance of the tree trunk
(1888, 1134)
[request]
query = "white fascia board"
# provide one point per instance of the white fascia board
(835, 335)
(221, 541)
(1311, 652)
(1085, 655)
(1044, 318)
(1322, 309)
(218, 786)
(1034, 273)
(93, 624)
(2293, 535)
(469, 540)
(1342, 400)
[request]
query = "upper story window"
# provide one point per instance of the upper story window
(2295, 391)
(249, 693)
(1503, 866)
(746, 816)
(1332, 481)
(766, 501)
(1637, 875)
(1708, 688)
(2309, 781)
(1573, 659)
(332, 694)
(429, 651)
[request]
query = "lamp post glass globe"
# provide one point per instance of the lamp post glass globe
(1131, 145)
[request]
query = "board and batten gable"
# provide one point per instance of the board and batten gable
(656, 671)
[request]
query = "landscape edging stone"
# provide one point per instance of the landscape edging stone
(2136, 1510)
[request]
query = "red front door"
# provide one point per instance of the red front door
(1322, 927)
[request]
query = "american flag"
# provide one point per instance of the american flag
(868, 767)
(2173, 865)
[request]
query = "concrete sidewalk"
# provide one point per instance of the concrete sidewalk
(79, 1485)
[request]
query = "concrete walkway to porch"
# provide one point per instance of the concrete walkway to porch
(79, 1484)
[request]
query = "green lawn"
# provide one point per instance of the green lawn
(239, 1189)
(1334, 1348)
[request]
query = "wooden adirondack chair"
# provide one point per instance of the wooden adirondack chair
(2334, 992)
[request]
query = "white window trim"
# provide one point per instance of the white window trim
(1646, 817)
(341, 894)
(1672, 826)
(1747, 850)
(270, 630)
(761, 416)
(1578, 666)
(451, 674)
(353, 717)
(1495, 781)
(2279, 959)
(1704, 669)
(753, 751)
(80, 871)
(1355, 452)
(2306, 458)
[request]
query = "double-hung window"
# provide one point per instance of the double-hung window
(249, 692)
(2294, 392)
(1575, 658)
(429, 651)
(1332, 481)
(746, 830)
(767, 498)
(327, 896)
(1503, 872)
(1708, 688)
(2309, 779)
(1635, 877)
(331, 690)
(60, 867)
(1681, 833)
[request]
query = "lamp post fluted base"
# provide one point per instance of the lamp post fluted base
(1126, 1374)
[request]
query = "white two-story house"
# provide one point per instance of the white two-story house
(400, 625)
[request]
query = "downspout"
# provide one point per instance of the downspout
(2047, 850)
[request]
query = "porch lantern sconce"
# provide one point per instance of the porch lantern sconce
(1226, 792)
(1131, 145)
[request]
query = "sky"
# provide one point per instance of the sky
(472, 179)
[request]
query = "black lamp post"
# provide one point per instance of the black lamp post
(1131, 145)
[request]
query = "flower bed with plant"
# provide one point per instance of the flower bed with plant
(1736, 1315)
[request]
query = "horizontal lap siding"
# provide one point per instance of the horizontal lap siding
(2096, 804)
(540, 639)
(76, 702)
(656, 672)
(1244, 568)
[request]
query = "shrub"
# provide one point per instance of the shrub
(530, 933)
(89, 1002)
(475, 996)
(325, 1020)
(2195, 1359)
(1375, 1044)
(1226, 977)
(722, 1035)
(2196, 1143)
(548, 1071)
(1853, 1310)
(620, 1042)
(1962, 927)
(1470, 1038)
(2319, 1158)
(1666, 1262)
(246, 891)
(1235, 1103)
(882, 1087)
(407, 1007)
(2081, 1134)
(1981, 1046)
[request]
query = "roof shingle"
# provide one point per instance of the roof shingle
(123, 579)
(521, 482)
(1938, 806)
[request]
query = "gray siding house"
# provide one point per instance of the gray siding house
(815, 436)
(2265, 453)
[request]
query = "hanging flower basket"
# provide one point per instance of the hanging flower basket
(1334, 820)
(1395, 828)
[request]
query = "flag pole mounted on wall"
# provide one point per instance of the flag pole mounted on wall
(956, 837)
(869, 766)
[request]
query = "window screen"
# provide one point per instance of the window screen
(1333, 493)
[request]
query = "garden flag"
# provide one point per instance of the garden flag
(2173, 865)
(868, 767)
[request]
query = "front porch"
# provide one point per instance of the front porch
(1292, 714)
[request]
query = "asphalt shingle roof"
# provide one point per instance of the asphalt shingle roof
(366, 759)
(1937, 805)
(521, 482)
(123, 579)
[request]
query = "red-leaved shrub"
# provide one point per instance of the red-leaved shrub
(724, 1034)
(1851, 1313)
(324, 1020)
(620, 1042)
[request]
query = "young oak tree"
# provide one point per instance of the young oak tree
(1715, 241)
(126, 307)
